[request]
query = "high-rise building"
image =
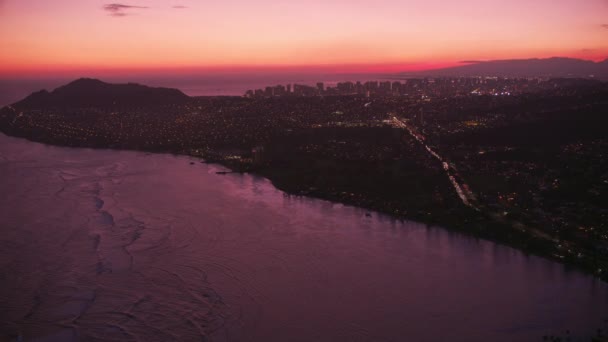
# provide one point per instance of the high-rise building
(304, 90)
(268, 92)
(371, 86)
(396, 88)
(279, 90)
(385, 87)
(320, 87)
(346, 88)
(359, 88)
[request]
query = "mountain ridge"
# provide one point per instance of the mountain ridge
(531, 67)
(89, 92)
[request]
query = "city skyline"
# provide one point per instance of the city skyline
(67, 37)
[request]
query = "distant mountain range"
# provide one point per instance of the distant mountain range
(548, 67)
(86, 92)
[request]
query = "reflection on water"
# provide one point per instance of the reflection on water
(115, 245)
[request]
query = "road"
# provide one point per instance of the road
(465, 195)
(463, 190)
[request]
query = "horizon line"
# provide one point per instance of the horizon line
(329, 68)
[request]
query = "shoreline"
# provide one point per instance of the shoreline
(464, 220)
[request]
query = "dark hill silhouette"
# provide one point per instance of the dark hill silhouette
(548, 67)
(87, 92)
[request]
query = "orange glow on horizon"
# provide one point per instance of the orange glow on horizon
(66, 37)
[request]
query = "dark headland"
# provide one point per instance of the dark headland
(86, 92)
(521, 161)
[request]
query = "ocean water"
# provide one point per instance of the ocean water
(101, 245)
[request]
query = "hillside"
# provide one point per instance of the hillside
(86, 92)
(548, 67)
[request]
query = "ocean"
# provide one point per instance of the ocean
(132, 246)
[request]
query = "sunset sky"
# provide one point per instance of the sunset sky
(62, 36)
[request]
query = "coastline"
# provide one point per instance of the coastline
(463, 220)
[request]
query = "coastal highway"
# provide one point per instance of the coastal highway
(462, 189)
(465, 195)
